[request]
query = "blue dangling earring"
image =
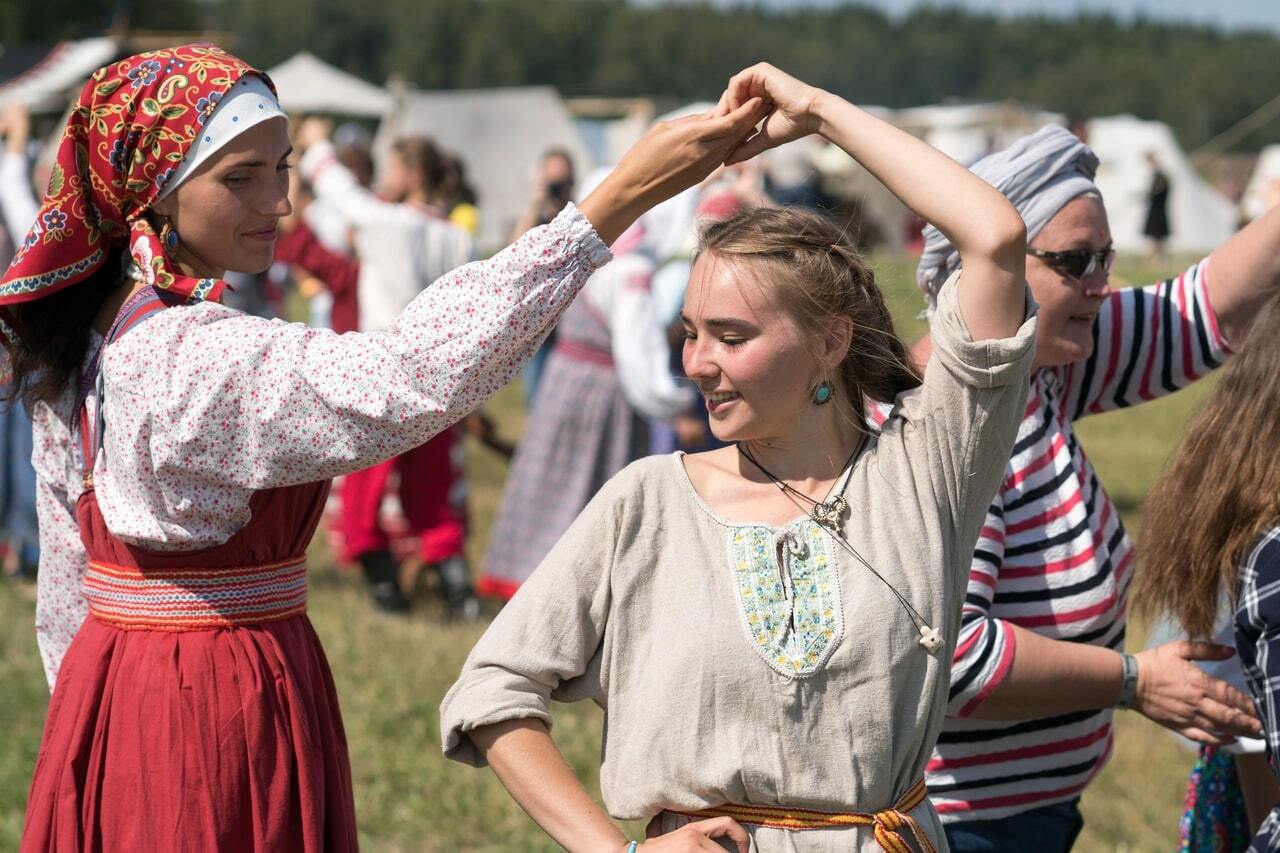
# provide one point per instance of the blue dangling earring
(823, 393)
(168, 237)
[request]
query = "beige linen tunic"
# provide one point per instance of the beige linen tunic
(751, 664)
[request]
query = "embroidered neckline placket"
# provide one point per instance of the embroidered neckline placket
(788, 593)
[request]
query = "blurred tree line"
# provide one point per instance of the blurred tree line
(1199, 80)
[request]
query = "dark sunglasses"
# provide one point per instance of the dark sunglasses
(1077, 263)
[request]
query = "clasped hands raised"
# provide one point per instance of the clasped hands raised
(761, 108)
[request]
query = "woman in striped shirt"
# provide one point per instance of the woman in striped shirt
(1039, 665)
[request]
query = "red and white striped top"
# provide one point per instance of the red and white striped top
(1053, 556)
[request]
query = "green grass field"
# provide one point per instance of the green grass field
(391, 673)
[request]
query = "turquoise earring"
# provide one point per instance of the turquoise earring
(823, 393)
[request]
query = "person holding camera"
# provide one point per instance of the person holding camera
(552, 190)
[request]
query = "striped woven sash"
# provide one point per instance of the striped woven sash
(192, 599)
(889, 824)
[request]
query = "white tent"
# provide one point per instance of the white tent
(966, 132)
(500, 134)
(53, 81)
(1263, 191)
(307, 84)
(1200, 218)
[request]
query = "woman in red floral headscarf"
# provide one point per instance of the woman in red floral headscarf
(183, 449)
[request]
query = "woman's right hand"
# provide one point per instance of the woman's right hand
(698, 836)
(1179, 695)
(793, 104)
(671, 157)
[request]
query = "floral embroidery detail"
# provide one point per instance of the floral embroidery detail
(145, 73)
(142, 257)
(789, 594)
(164, 177)
(33, 237)
(122, 151)
(118, 155)
(205, 107)
(55, 223)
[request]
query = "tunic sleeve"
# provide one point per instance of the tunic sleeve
(971, 403)
(60, 606)
(986, 645)
(202, 395)
(338, 188)
(547, 639)
(1148, 342)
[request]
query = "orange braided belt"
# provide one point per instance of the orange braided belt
(889, 824)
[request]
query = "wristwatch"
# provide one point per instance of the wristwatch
(1128, 681)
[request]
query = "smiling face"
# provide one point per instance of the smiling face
(747, 356)
(1068, 305)
(227, 212)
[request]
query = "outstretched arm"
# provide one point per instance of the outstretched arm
(975, 217)
(1243, 273)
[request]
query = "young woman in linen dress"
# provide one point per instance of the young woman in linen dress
(758, 677)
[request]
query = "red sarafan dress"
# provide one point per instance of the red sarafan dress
(195, 710)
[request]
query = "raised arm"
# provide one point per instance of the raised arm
(983, 226)
(289, 394)
(18, 202)
(1243, 272)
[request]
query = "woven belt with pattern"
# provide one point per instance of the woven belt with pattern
(194, 599)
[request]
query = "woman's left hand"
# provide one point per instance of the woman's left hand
(793, 107)
(671, 157)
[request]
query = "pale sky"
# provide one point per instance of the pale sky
(1228, 14)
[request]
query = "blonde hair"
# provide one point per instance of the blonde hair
(818, 276)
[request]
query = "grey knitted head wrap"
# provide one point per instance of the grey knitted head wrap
(1039, 173)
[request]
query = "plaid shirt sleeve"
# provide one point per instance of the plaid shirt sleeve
(1257, 630)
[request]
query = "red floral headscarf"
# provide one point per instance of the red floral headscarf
(134, 123)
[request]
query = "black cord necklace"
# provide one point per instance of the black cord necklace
(829, 515)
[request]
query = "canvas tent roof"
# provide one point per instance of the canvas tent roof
(1263, 191)
(1200, 217)
(49, 82)
(499, 134)
(966, 132)
(308, 84)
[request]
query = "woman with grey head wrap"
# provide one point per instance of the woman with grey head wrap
(1039, 173)
(1039, 665)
